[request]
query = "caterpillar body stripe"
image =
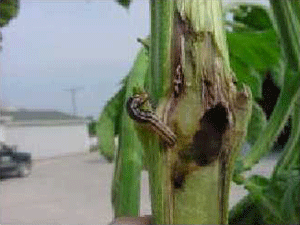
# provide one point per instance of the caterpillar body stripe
(135, 112)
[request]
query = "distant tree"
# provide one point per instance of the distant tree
(92, 128)
(8, 10)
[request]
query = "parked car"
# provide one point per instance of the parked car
(13, 162)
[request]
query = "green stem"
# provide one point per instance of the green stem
(160, 76)
(277, 121)
(296, 157)
(288, 24)
(161, 32)
(287, 18)
(290, 150)
(185, 189)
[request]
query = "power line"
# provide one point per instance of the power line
(73, 92)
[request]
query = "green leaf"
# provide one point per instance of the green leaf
(267, 197)
(129, 160)
(246, 211)
(254, 16)
(252, 54)
(273, 201)
(290, 204)
(258, 181)
(145, 42)
(257, 123)
(108, 124)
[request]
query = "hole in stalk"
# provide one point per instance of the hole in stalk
(207, 141)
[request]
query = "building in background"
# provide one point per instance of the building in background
(44, 133)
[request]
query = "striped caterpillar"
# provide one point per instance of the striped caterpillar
(135, 112)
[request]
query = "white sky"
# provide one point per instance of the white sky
(56, 45)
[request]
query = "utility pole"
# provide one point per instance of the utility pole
(73, 95)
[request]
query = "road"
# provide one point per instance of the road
(74, 190)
